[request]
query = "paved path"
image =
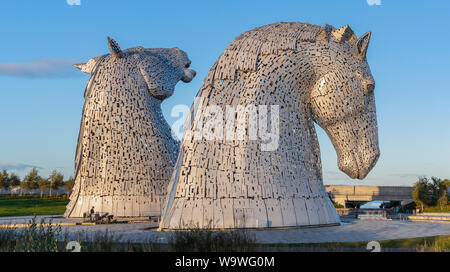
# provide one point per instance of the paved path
(358, 230)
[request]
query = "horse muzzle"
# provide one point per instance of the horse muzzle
(357, 164)
(188, 76)
(355, 140)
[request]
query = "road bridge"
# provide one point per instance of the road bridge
(346, 193)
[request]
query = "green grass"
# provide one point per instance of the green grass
(24, 206)
(437, 209)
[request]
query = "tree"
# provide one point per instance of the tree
(421, 193)
(30, 181)
(446, 183)
(443, 201)
(56, 180)
(430, 192)
(43, 185)
(14, 181)
(5, 183)
(68, 185)
(438, 188)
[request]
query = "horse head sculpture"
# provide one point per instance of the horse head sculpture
(125, 153)
(343, 102)
(305, 73)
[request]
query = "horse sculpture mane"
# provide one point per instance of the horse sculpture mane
(125, 152)
(311, 74)
(243, 53)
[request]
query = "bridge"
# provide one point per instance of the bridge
(341, 194)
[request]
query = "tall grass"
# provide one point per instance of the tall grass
(199, 240)
(49, 238)
(109, 242)
(35, 238)
(438, 244)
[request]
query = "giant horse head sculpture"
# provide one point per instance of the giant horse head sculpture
(125, 152)
(306, 73)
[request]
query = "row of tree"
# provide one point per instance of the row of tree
(429, 193)
(33, 181)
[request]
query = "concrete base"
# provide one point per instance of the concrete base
(260, 229)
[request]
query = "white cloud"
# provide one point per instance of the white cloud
(73, 2)
(39, 68)
(17, 166)
(374, 2)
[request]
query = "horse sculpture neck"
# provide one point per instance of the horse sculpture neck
(122, 84)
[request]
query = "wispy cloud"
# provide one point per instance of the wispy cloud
(374, 2)
(73, 2)
(406, 175)
(41, 68)
(17, 166)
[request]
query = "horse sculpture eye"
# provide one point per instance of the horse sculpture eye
(370, 87)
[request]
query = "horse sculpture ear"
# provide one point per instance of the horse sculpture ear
(343, 34)
(87, 67)
(114, 48)
(363, 44)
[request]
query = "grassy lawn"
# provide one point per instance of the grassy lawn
(24, 206)
(434, 243)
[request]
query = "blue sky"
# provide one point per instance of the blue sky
(40, 106)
